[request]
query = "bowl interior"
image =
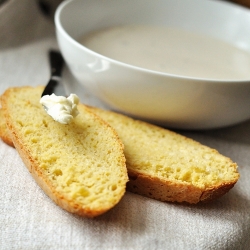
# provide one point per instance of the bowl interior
(227, 22)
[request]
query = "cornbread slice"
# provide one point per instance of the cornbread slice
(80, 166)
(170, 167)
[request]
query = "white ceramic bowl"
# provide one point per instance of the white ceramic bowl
(174, 101)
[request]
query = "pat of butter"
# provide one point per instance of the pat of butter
(62, 109)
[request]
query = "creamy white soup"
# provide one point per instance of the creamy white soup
(170, 50)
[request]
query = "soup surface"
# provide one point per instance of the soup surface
(171, 50)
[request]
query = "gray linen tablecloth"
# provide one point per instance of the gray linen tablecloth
(30, 220)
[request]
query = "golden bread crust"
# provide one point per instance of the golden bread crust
(4, 133)
(164, 190)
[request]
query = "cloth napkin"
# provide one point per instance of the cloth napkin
(30, 220)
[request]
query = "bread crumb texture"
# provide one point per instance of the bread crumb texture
(168, 166)
(80, 165)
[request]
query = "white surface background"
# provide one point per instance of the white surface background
(30, 220)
